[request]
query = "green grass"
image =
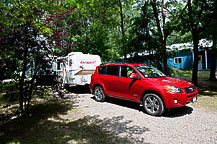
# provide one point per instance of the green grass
(183, 73)
(202, 75)
(207, 89)
(207, 102)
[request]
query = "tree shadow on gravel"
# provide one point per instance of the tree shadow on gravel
(172, 113)
(117, 126)
(46, 125)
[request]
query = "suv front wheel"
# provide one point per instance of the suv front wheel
(153, 104)
(99, 94)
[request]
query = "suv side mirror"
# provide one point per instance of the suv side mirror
(133, 76)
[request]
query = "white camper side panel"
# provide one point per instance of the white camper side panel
(80, 68)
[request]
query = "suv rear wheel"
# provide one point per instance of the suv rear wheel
(99, 94)
(153, 104)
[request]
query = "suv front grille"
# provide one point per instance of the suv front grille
(192, 95)
(190, 89)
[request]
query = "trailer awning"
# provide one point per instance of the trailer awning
(85, 72)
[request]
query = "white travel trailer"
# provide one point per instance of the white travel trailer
(76, 68)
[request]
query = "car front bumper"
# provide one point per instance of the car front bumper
(180, 99)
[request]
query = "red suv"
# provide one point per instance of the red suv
(143, 84)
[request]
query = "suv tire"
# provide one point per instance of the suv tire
(153, 104)
(99, 94)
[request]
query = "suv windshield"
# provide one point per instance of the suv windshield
(149, 72)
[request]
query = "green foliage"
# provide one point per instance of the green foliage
(178, 37)
(144, 37)
(25, 45)
(19, 12)
(97, 27)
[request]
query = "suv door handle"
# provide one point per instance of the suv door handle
(118, 81)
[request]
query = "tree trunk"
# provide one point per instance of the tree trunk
(32, 85)
(195, 35)
(164, 52)
(162, 41)
(123, 31)
(30, 93)
(212, 75)
(21, 81)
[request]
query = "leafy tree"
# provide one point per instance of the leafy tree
(144, 37)
(210, 33)
(157, 21)
(124, 40)
(196, 20)
(163, 34)
(61, 25)
(99, 27)
(91, 31)
(212, 76)
(166, 18)
(25, 44)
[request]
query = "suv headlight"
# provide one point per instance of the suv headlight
(173, 89)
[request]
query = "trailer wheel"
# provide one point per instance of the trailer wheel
(56, 87)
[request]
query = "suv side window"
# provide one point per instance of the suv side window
(102, 70)
(126, 71)
(112, 70)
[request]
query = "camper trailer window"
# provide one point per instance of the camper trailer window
(66, 62)
(70, 62)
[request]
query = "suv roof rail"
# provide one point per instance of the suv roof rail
(112, 63)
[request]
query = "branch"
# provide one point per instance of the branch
(177, 17)
(182, 12)
(162, 11)
(153, 3)
(190, 14)
(170, 12)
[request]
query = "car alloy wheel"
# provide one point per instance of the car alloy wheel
(153, 104)
(99, 94)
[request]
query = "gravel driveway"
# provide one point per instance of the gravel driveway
(127, 119)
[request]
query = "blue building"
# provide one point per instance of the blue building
(181, 61)
(183, 55)
(180, 56)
